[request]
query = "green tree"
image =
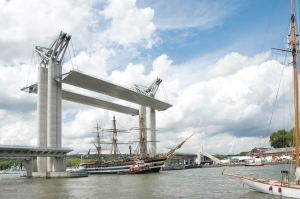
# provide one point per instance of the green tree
(218, 156)
(73, 162)
(6, 164)
(281, 138)
(243, 153)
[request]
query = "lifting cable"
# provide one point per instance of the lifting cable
(70, 58)
(74, 55)
(166, 97)
(35, 69)
(29, 69)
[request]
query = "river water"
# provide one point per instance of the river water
(188, 183)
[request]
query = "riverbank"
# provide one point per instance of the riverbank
(229, 165)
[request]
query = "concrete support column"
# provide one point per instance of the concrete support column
(200, 156)
(152, 124)
(54, 114)
(30, 166)
(62, 163)
(42, 115)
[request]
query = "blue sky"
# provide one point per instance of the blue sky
(214, 58)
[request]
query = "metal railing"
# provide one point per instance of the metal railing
(35, 147)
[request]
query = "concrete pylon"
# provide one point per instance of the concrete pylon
(42, 115)
(49, 101)
(152, 125)
(54, 136)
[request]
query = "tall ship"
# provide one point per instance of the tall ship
(120, 163)
(284, 186)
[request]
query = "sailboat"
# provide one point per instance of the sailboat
(283, 187)
(123, 165)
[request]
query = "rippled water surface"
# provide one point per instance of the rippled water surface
(188, 183)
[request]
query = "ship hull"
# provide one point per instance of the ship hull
(274, 188)
(153, 164)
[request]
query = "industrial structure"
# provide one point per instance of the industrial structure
(50, 94)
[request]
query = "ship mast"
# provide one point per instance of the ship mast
(114, 141)
(142, 138)
(143, 133)
(98, 146)
(294, 51)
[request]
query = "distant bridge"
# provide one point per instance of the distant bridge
(214, 159)
(180, 160)
(28, 152)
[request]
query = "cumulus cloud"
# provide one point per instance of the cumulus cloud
(17, 108)
(234, 62)
(25, 24)
(94, 63)
(240, 105)
(162, 67)
(130, 25)
(135, 73)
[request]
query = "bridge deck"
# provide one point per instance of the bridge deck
(18, 152)
(83, 99)
(81, 80)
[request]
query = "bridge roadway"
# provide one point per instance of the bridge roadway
(29, 154)
(25, 152)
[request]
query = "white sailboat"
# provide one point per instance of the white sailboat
(283, 187)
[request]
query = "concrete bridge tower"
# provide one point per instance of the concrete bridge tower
(49, 101)
(151, 122)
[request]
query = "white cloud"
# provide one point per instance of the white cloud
(94, 63)
(24, 24)
(162, 67)
(130, 25)
(234, 62)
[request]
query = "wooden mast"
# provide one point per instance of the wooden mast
(114, 139)
(98, 146)
(296, 93)
(143, 150)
